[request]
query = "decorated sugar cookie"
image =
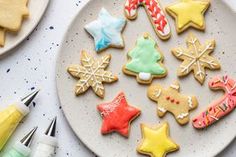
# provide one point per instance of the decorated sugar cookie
(106, 31)
(221, 107)
(12, 13)
(117, 115)
(196, 58)
(170, 100)
(156, 141)
(92, 73)
(155, 14)
(145, 61)
(189, 13)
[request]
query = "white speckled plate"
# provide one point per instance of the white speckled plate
(36, 11)
(81, 111)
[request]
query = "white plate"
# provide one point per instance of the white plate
(81, 111)
(36, 11)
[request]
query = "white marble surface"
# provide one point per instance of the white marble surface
(32, 64)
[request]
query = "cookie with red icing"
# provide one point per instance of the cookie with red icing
(221, 107)
(117, 115)
(155, 14)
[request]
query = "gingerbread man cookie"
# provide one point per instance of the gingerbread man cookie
(221, 107)
(196, 58)
(155, 14)
(117, 115)
(145, 61)
(156, 141)
(189, 13)
(91, 73)
(172, 101)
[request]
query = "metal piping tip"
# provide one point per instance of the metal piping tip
(29, 98)
(51, 131)
(28, 138)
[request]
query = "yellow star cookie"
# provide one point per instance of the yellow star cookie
(196, 58)
(91, 73)
(156, 141)
(189, 13)
(12, 13)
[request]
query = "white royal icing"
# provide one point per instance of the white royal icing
(161, 109)
(190, 102)
(174, 86)
(144, 76)
(106, 30)
(182, 115)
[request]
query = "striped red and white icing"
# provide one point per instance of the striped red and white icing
(154, 10)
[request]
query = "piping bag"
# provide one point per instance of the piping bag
(22, 148)
(48, 142)
(12, 115)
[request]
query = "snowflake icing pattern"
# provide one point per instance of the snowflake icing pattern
(196, 58)
(92, 73)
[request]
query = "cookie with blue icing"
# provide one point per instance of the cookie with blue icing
(106, 31)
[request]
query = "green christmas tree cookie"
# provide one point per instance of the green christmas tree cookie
(145, 61)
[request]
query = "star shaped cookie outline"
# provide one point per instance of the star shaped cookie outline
(106, 31)
(196, 58)
(156, 141)
(188, 13)
(117, 115)
(18, 10)
(92, 73)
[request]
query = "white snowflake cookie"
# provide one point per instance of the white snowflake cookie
(91, 73)
(196, 58)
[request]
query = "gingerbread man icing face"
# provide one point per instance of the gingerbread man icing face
(172, 101)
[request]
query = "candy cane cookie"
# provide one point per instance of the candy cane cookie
(221, 107)
(155, 14)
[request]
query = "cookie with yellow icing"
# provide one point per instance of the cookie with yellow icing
(156, 141)
(188, 13)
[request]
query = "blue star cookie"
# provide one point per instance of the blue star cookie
(106, 31)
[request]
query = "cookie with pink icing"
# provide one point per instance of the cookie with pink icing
(155, 14)
(221, 107)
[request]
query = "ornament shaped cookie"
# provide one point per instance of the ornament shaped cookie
(156, 141)
(117, 115)
(106, 31)
(189, 13)
(145, 61)
(196, 58)
(92, 73)
(170, 100)
(155, 14)
(12, 13)
(221, 107)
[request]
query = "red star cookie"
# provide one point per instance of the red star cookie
(117, 115)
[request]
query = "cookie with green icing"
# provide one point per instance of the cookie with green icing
(145, 61)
